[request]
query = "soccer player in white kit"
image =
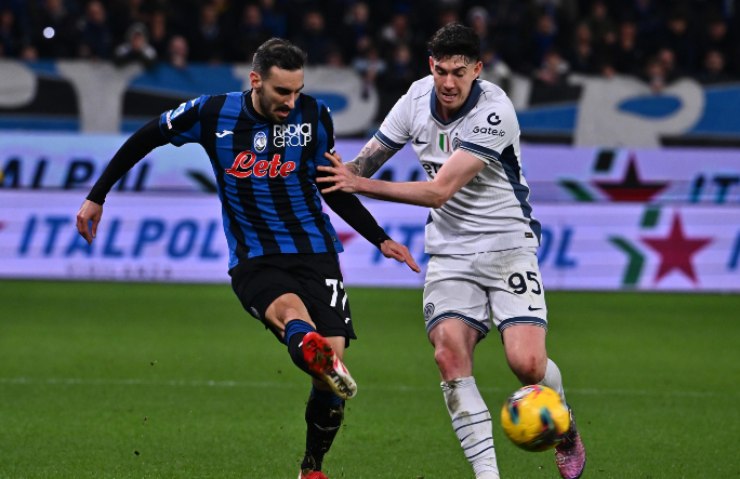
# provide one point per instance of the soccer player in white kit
(481, 236)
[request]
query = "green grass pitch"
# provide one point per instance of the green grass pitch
(108, 380)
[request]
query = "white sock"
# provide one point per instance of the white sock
(472, 424)
(553, 379)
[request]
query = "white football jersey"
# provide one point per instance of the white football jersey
(491, 212)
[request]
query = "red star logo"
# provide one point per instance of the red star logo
(631, 188)
(676, 251)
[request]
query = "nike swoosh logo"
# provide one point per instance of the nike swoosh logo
(224, 133)
(419, 142)
(534, 309)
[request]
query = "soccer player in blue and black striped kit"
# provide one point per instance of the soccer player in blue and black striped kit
(265, 145)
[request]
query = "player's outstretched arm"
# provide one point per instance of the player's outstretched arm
(133, 149)
(456, 172)
(354, 213)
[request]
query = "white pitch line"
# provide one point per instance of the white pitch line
(142, 382)
(194, 383)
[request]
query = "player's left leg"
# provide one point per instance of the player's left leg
(524, 346)
(570, 454)
(518, 300)
(324, 415)
(525, 351)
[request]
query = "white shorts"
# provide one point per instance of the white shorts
(496, 288)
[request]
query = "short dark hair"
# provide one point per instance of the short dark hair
(277, 52)
(455, 39)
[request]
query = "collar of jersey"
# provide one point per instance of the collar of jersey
(475, 92)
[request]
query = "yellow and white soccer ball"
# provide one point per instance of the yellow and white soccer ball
(535, 418)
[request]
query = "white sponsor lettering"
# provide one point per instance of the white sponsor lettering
(292, 135)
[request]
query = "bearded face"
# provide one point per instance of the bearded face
(275, 93)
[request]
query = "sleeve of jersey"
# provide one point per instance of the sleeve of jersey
(326, 134)
(489, 131)
(182, 124)
(395, 130)
(144, 140)
(354, 213)
(347, 206)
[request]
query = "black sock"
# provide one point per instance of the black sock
(295, 330)
(324, 414)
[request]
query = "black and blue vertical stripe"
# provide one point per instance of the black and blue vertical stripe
(262, 214)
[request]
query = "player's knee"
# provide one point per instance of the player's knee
(442, 357)
(529, 369)
(451, 362)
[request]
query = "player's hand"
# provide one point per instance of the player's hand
(88, 219)
(341, 177)
(400, 253)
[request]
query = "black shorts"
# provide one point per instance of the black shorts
(315, 278)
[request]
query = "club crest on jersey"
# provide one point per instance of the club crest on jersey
(292, 135)
(246, 164)
(260, 141)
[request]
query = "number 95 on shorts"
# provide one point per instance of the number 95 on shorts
(485, 290)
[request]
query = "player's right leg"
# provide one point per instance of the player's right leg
(275, 290)
(315, 354)
(324, 360)
(451, 302)
(454, 343)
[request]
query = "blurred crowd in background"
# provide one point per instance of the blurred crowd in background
(384, 40)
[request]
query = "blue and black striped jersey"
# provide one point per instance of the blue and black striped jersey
(265, 171)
